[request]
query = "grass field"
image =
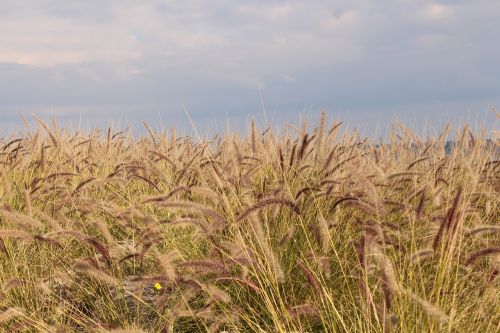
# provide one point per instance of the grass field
(304, 229)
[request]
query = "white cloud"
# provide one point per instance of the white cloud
(263, 36)
(434, 40)
(288, 78)
(435, 11)
(44, 41)
(336, 20)
(269, 11)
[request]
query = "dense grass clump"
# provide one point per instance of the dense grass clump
(292, 231)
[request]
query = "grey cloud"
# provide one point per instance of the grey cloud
(220, 56)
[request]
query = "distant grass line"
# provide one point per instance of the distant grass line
(306, 230)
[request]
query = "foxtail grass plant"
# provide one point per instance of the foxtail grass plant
(300, 230)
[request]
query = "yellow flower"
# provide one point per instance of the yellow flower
(157, 286)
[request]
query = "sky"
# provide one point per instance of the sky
(219, 63)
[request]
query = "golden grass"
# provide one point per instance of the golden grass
(290, 231)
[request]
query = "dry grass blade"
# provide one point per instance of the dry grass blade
(47, 129)
(247, 283)
(412, 164)
(6, 183)
(202, 226)
(338, 202)
(10, 284)
(217, 293)
(148, 181)
(151, 133)
(403, 174)
(22, 220)
(122, 330)
(481, 253)
(422, 255)
(167, 265)
(308, 310)
(287, 236)
(186, 167)
(160, 198)
(448, 223)
(11, 313)
(321, 233)
(84, 267)
(53, 224)
(313, 281)
(390, 285)
(266, 203)
(48, 240)
(99, 247)
(15, 234)
(483, 229)
(3, 248)
(83, 183)
(216, 216)
(430, 309)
